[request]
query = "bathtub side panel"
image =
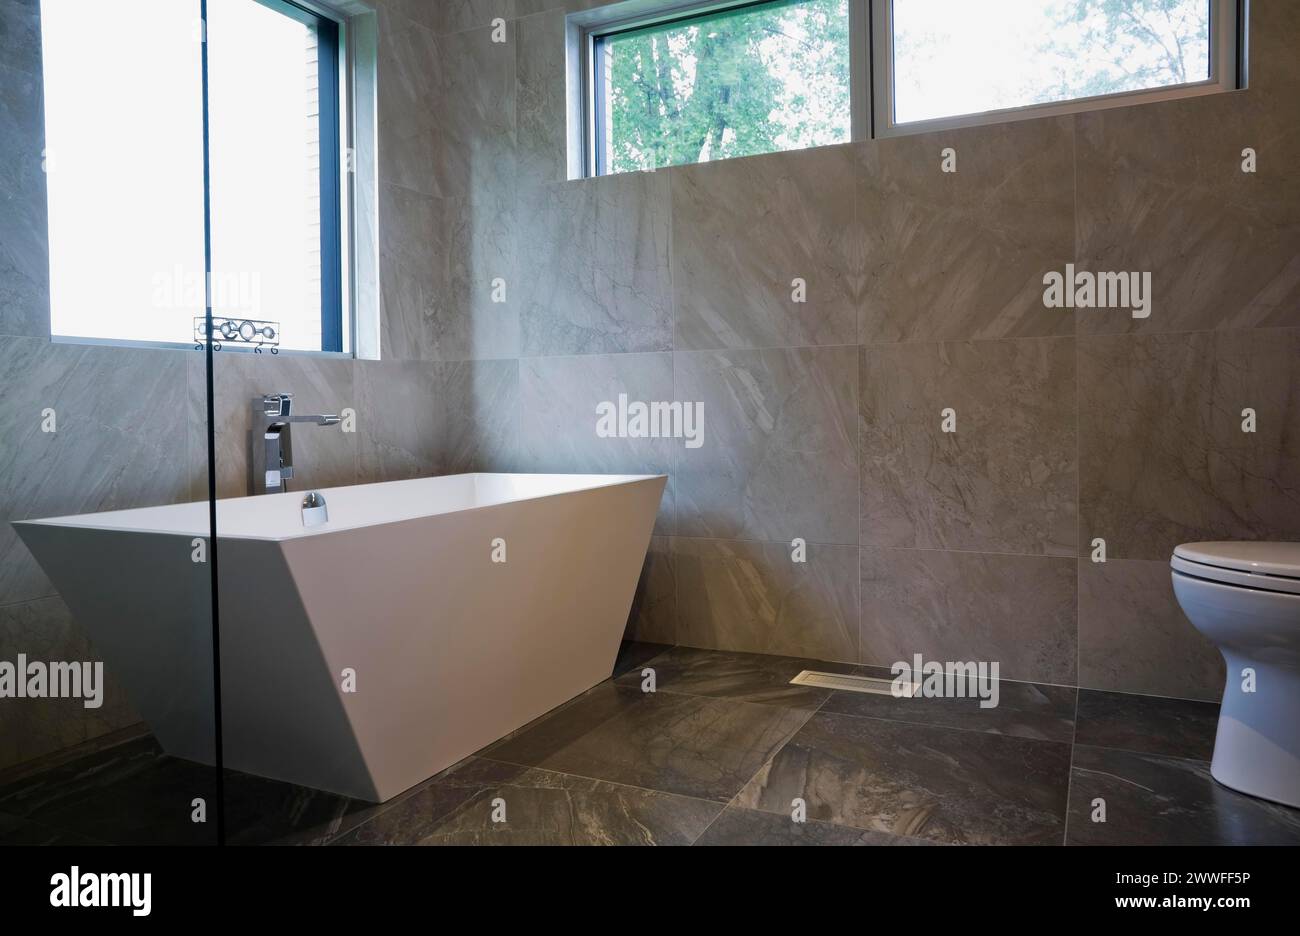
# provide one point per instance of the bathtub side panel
(463, 627)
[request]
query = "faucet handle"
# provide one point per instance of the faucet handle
(277, 404)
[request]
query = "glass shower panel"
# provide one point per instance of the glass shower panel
(282, 392)
(107, 717)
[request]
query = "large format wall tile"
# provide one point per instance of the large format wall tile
(449, 16)
(475, 303)
(962, 254)
(413, 265)
(558, 400)
(653, 618)
(418, 419)
(779, 454)
(744, 230)
(407, 128)
(593, 266)
(474, 111)
(753, 597)
(1159, 194)
(1133, 637)
(1018, 611)
(20, 35)
(44, 631)
(1004, 481)
(120, 439)
(24, 238)
(1163, 458)
(323, 456)
(541, 104)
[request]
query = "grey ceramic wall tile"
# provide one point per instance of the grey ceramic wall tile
(779, 453)
(1163, 458)
(418, 419)
(556, 278)
(1004, 481)
(120, 439)
(558, 418)
(653, 617)
(449, 16)
(752, 597)
(323, 456)
(541, 106)
(474, 109)
(44, 630)
(1133, 637)
(633, 283)
(1273, 65)
(475, 305)
(743, 230)
(408, 130)
(1016, 610)
(413, 270)
(962, 254)
(24, 241)
(1159, 194)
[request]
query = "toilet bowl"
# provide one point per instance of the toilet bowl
(1245, 597)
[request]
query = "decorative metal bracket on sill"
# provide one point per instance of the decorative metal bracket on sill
(238, 331)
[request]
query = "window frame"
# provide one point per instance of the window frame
(871, 65)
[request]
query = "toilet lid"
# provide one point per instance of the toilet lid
(1269, 566)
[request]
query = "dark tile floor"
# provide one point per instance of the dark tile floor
(722, 753)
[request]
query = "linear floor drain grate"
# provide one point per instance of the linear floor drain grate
(851, 683)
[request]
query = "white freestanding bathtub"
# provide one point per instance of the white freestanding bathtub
(403, 587)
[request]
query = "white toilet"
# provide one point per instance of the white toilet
(1245, 597)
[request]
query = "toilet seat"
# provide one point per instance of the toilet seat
(1271, 567)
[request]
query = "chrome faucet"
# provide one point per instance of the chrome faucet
(271, 465)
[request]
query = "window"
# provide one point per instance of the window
(125, 175)
(710, 80)
(753, 79)
(955, 57)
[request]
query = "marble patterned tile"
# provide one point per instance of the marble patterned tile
(474, 309)
(541, 103)
(115, 407)
(450, 16)
(1274, 67)
(24, 238)
(653, 616)
(964, 787)
(15, 832)
(473, 106)
(1158, 194)
(1133, 636)
(738, 826)
(408, 130)
(633, 282)
(735, 256)
(323, 456)
(556, 278)
(752, 597)
(691, 746)
(33, 728)
(1016, 610)
(1004, 481)
(1147, 724)
(778, 458)
(541, 807)
(1163, 459)
(1024, 710)
(413, 268)
(959, 255)
(741, 677)
(1155, 800)
(417, 419)
(558, 400)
